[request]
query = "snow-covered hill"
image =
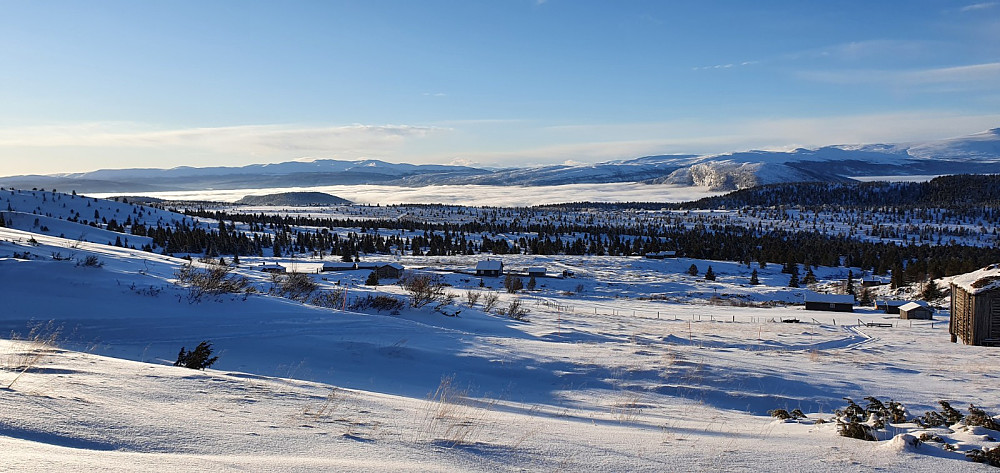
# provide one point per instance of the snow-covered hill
(973, 154)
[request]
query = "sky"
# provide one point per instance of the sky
(121, 84)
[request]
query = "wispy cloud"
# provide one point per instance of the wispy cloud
(987, 74)
(978, 6)
(725, 66)
(255, 138)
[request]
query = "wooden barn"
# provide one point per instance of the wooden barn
(830, 302)
(915, 311)
(490, 267)
(975, 307)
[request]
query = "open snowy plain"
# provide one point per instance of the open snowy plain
(628, 364)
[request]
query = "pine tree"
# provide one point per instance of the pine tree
(931, 292)
(693, 270)
(793, 281)
(372, 279)
(753, 278)
(810, 278)
(709, 275)
(197, 359)
(866, 297)
(532, 283)
(849, 285)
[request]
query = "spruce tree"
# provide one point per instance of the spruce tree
(372, 279)
(931, 292)
(793, 281)
(709, 275)
(753, 278)
(693, 270)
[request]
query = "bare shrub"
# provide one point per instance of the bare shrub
(90, 261)
(490, 301)
(515, 310)
(214, 280)
(329, 299)
(296, 286)
(471, 297)
(380, 303)
(423, 289)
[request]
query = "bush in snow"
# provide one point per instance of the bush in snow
(471, 297)
(515, 310)
(423, 289)
(296, 286)
(490, 301)
(990, 456)
(214, 280)
(90, 261)
(512, 284)
(329, 299)
(379, 303)
(197, 359)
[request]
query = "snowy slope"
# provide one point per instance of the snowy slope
(629, 365)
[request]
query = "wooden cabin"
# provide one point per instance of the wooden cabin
(975, 307)
(890, 306)
(915, 311)
(830, 302)
(661, 254)
(272, 268)
(338, 266)
(490, 267)
(536, 271)
(871, 281)
(389, 271)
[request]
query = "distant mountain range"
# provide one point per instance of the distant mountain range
(973, 154)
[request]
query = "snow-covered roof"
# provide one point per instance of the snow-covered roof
(338, 265)
(912, 305)
(489, 265)
(830, 298)
(892, 302)
(986, 279)
(536, 269)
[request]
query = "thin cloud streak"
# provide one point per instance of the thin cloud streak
(978, 6)
(987, 73)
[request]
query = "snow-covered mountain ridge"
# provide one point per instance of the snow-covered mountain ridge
(973, 154)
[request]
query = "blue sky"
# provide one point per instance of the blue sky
(106, 84)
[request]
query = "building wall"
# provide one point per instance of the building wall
(974, 317)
